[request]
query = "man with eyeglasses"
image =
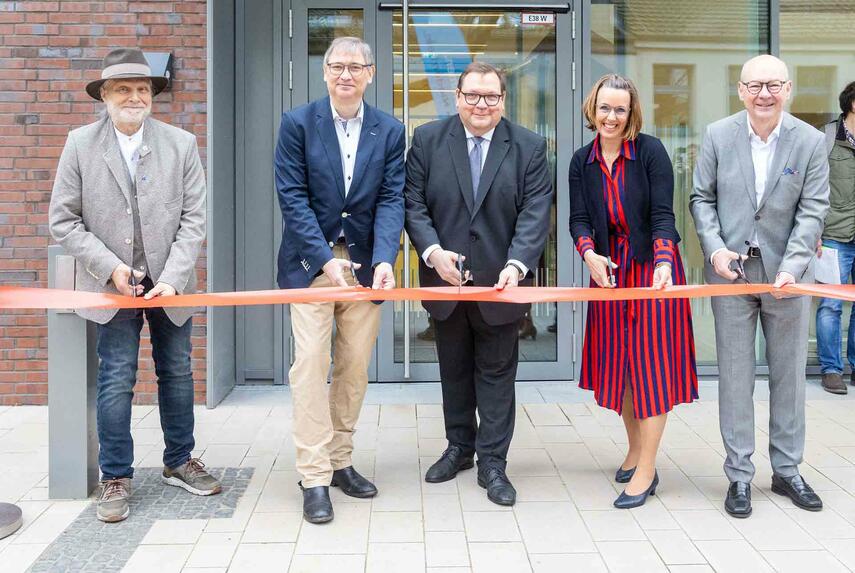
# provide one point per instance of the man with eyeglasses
(339, 170)
(478, 197)
(759, 200)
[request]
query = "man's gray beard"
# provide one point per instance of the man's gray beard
(114, 112)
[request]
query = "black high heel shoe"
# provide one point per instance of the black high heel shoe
(623, 476)
(625, 501)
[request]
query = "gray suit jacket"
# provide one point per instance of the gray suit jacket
(790, 216)
(90, 209)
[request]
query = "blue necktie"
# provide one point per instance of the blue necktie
(475, 164)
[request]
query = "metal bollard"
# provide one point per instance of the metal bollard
(72, 378)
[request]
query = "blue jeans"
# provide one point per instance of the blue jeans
(828, 316)
(118, 351)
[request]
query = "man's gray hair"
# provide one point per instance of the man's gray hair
(350, 44)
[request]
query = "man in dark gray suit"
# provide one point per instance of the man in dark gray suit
(478, 194)
(759, 200)
(128, 203)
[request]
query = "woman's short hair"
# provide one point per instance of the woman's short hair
(614, 81)
(847, 97)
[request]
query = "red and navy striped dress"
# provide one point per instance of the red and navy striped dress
(647, 344)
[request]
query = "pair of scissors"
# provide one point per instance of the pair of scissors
(133, 281)
(738, 267)
(610, 270)
(460, 270)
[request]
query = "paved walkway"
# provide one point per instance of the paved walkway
(562, 460)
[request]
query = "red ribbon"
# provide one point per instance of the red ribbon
(39, 298)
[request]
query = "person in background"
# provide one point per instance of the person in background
(839, 234)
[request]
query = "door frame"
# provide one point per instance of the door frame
(568, 131)
(296, 84)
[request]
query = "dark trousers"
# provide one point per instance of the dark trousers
(118, 351)
(478, 368)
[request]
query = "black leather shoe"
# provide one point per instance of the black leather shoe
(738, 501)
(499, 488)
(623, 476)
(353, 484)
(626, 501)
(317, 507)
(797, 490)
(446, 467)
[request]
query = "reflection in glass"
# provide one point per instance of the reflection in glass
(441, 45)
(685, 62)
(819, 47)
(324, 27)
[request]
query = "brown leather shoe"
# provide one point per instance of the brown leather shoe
(833, 382)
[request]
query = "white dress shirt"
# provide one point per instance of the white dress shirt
(762, 154)
(130, 144)
(348, 131)
(485, 147)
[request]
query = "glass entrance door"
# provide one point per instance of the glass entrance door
(526, 45)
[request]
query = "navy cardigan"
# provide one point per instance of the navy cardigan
(648, 198)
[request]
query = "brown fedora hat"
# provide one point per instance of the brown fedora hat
(125, 63)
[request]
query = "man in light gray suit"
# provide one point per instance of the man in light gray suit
(128, 203)
(759, 200)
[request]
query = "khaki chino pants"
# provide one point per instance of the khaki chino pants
(325, 417)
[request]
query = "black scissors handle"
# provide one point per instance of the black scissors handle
(133, 282)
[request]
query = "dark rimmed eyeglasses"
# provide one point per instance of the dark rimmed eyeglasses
(355, 70)
(474, 99)
(754, 88)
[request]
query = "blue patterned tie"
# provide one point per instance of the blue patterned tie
(475, 164)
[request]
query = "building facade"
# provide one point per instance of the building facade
(249, 60)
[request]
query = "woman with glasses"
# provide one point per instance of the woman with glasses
(638, 356)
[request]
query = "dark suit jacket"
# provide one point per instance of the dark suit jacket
(509, 220)
(648, 202)
(310, 185)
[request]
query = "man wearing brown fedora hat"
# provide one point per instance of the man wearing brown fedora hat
(128, 203)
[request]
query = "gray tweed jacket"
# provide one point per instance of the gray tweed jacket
(90, 208)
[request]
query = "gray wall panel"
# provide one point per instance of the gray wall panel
(221, 197)
(257, 109)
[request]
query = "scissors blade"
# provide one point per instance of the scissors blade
(610, 271)
(460, 270)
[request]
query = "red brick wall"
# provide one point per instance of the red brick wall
(48, 51)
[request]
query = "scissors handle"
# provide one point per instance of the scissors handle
(133, 281)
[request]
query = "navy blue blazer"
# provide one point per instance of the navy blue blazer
(648, 203)
(310, 185)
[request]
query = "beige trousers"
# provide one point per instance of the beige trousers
(325, 416)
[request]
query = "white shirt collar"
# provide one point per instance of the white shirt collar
(135, 139)
(752, 135)
(488, 136)
(359, 114)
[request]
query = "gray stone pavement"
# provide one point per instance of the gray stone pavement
(562, 461)
(88, 545)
